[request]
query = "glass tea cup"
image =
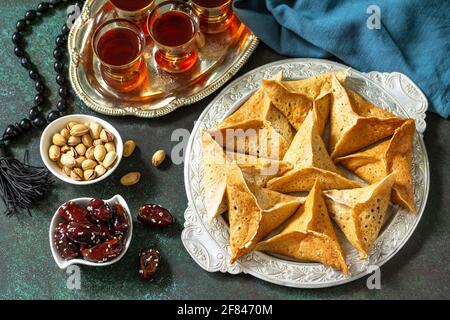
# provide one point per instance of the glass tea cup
(119, 45)
(174, 27)
(215, 15)
(134, 10)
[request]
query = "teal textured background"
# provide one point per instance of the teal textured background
(27, 269)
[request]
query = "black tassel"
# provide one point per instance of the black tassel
(21, 185)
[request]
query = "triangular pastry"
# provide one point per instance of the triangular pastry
(214, 161)
(393, 155)
(253, 212)
(308, 154)
(349, 131)
(309, 235)
(360, 212)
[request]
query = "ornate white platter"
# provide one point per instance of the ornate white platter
(208, 243)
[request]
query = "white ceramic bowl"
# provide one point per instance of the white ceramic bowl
(63, 263)
(59, 124)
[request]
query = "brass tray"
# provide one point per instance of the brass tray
(221, 56)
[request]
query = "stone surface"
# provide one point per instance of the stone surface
(27, 269)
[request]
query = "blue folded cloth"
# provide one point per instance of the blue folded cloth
(413, 36)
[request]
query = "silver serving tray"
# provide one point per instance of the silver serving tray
(208, 243)
(221, 56)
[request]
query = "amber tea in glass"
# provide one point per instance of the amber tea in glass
(173, 27)
(119, 45)
(134, 10)
(215, 15)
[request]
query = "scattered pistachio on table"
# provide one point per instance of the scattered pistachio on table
(158, 158)
(130, 179)
(128, 148)
(83, 151)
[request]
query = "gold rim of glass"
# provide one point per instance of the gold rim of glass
(135, 11)
(194, 5)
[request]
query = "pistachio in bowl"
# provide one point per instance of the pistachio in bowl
(81, 149)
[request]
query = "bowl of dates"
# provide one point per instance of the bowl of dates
(90, 231)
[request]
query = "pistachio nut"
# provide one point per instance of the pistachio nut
(81, 149)
(90, 153)
(100, 170)
(128, 148)
(87, 140)
(158, 158)
(90, 175)
(66, 171)
(58, 140)
(71, 124)
(54, 152)
(65, 148)
(97, 142)
(100, 152)
(72, 152)
(79, 130)
(68, 161)
(88, 164)
(106, 136)
(110, 146)
(109, 160)
(77, 174)
(79, 161)
(130, 179)
(73, 141)
(94, 130)
(59, 164)
(65, 133)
